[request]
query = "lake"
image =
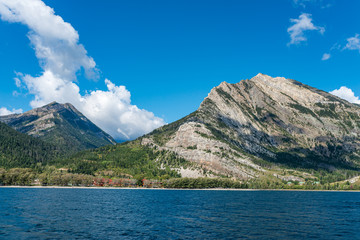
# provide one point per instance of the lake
(48, 213)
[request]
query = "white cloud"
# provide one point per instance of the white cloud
(321, 3)
(302, 24)
(325, 56)
(17, 82)
(347, 94)
(61, 56)
(4, 111)
(353, 43)
(121, 117)
(302, 3)
(39, 18)
(55, 41)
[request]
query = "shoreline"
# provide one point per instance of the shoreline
(181, 189)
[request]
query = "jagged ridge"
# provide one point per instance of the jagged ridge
(262, 125)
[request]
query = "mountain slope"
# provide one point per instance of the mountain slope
(20, 150)
(60, 124)
(272, 129)
(264, 124)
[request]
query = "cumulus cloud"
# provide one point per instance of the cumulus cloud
(325, 56)
(300, 26)
(121, 117)
(61, 56)
(4, 111)
(353, 43)
(347, 94)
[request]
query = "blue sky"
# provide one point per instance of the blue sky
(169, 54)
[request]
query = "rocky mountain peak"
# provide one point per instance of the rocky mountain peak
(59, 123)
(46, 109)
(279, 89)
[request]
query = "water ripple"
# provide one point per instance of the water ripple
(169, 214)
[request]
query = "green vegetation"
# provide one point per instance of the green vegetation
(20, 150)
(27, 177)
(68, 137)
(327, 106)
(193, 183)
(172, 160)
(306, 159)
(259, 110)
(192, 147)
(304, 110)
(204, 135)
(268, 182)
(24, 157)
(247, 85)
(225, 95)
(129, 158)
(17, 176)
(327, 113)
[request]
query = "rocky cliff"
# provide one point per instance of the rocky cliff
(263, 126)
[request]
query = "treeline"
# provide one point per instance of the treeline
(29, 177)
(17, 176)
(266, 183)
(20, 150)
(202, 183)
(55, 177)
(65, 179)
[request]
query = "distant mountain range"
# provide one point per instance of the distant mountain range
(61, 125)
(274, 129)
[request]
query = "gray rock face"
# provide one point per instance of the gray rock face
(263, 124)
(60, 124)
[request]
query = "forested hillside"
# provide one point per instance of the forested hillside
(129, 159)
(20, 150)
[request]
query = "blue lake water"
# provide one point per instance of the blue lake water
(28, 213)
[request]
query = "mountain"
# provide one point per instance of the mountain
(268, 128)
(60, 124)
(20, 150)
(264, 124)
